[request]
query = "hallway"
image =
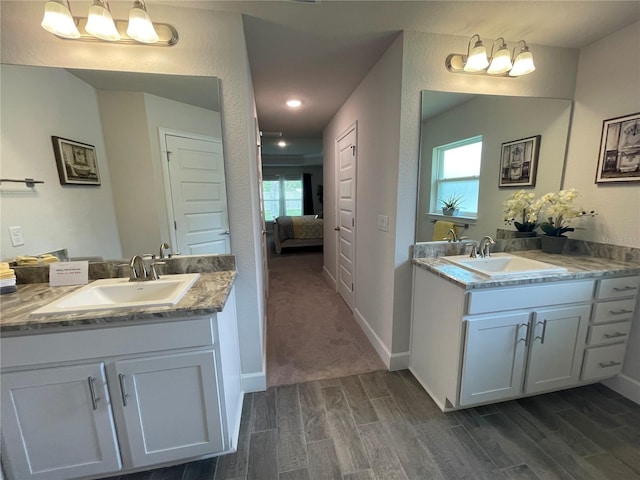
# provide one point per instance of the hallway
(311, 333)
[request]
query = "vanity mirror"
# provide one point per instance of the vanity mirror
(453, 117)
(158, 143)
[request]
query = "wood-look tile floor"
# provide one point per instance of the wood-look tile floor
(383, 425)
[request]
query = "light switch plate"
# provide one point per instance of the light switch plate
(16, 236)
(383, 223)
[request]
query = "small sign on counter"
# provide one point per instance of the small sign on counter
(68, 273)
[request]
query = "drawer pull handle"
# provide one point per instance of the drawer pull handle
(615, 335)
(609, 364)
(92, 391)
(624, 289)
(620, 312)
(526, 335)
(121, 378)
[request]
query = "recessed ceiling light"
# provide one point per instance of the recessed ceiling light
(293, 103)
(282, 144)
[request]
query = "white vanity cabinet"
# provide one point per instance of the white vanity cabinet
(111, 399)
(492, 344)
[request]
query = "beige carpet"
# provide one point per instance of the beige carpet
(311, 333)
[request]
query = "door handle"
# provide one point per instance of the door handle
(121, 378)
(264, 232)
(92, 391)
(337, 229)
(544, 331)
(226, 232)
(526, 335)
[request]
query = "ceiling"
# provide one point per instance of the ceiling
(319, 51)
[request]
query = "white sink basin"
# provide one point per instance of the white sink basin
(115, 293)
(503, 265)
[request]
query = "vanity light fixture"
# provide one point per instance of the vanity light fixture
(500, 64)
(101, 26)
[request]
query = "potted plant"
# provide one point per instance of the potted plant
(558, 209)
(451, 204)
(518, 212)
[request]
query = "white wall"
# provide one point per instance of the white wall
(607, 87)
(211, 44)
(498, 120)
(388, 137)
(36, 104)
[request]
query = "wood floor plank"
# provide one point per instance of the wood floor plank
(416, 462)
(520, 472)
(600, 436)
(234, 465)
(168, 473)
(358, 401)
(329, 382)
(611, 467)
(417, 392)
(610, 405)
(362, 475)
(301, 474)
(314, 417)
(549, 442)
(200, 470)
(538, 460)
(134, 476)
(580, 443)
(292, 452)
(415, 410)
(263, 451)
(578, 397)
(263, 413)
(382, 457)
(502, 452)
(343, 431)
(374, 385)
(323, 461)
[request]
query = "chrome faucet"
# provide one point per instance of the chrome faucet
(484, 249)
(163, 246)
(138, 270)
(451, 236)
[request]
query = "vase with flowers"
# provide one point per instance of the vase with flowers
(559, 211)
(519, 212)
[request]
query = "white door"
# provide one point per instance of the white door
(198, 195)
(494, 358)
(57, 424)
(263, 230)
(167, 408)
(346, 188)
(557, 346)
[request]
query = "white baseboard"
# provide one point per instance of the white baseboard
(625, 386)
(330, 279)
(393, 361)
(254, 382)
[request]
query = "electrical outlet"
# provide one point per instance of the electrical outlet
(580, 223)
(16, 236)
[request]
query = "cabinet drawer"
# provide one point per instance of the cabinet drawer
(608, 333)
(64, 346)
(531, 296)
(618, 287)
(614, 311)
(600, 362)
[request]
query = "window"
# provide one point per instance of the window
(456, 171)
(282, 196)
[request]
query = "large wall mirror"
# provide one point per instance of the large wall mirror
(452, 117)
(158, 146)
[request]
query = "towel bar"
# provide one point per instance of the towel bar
(29, 182)
(463, 225)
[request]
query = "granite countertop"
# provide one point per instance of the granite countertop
(578, 267)
(207, 295)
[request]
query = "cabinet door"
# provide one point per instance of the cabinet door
(557, 344)
(494, 358)
(167, 407)
(53, 427)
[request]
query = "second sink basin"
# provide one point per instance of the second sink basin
(503, 265)
(115, 293)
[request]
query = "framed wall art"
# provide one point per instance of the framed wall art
(619, 158)
(519, 162)
(77, 162)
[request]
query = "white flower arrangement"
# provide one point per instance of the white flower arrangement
(559, 210)
(518, 210)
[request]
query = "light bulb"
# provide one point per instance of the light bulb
(140, 27)
(58, 20)
(100, 23)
